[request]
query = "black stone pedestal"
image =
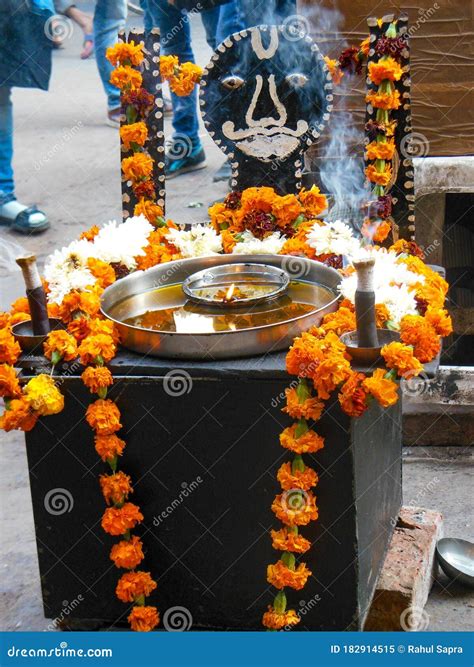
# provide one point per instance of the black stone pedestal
(204, 468)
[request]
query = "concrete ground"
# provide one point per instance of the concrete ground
(67, 162)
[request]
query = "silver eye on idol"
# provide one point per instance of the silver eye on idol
(265, 99)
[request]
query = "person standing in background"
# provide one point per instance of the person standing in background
(25, 61)
(83, 20)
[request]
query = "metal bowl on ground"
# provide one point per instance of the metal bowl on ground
(456, 558)
(139, 292)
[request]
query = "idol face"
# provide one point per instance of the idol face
(265, 95)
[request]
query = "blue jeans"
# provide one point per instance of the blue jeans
(176, 40)
(109, 18)
(7, 186)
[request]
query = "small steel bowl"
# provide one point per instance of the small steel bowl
(28, 341)
(224, 275)
(368, 356)
(456, 559)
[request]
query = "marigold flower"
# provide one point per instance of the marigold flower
(103, 416)
(379, 177)
(353, 397)
(143, 619)
(102, 271)
(279, 575)
(329, 374)
(60, 345)
(109, 446)
(365, 46)
(150, 210)
(137, 167)
(134, 133)
(382, 315)
(127, 553)
(342, 321)
(168, 66)
(125, 53)
(19, 415)
(20, 305)
(313, 201)
(182, 84)
(76, 303)
(9, 348)
(96, 346)
(119, 520)
(415, 330)
(274, 620)
(382, 389)
(115, 488)
(19, 317)
(286, 209)
(440, 320)
(309, 442)
(407, 247)
(96, 378)
(334, 70)
(383, 100)
(90, 234)
(382, 231)
(126, 78)
(401, 358)
(285, 540)
(380, 150)
(295, 514)
(299, 479)
(385, 69)
(105, 327)
(44, 396)
(5, 320)
(311, 408)
(9, 384)
(134, 585)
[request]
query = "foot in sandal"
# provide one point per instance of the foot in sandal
(23, 219)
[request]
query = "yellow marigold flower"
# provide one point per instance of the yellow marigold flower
(105, 327)
(127, 553)
(313, 201)
(9, 348)
(415, 330)
(334, 70)
(285, 540)
(20, 305)
(286, 209)
(382, 315)
(103, 416)
(280, 575)
(295, 514)
(126, 78)
(380, 150)
(383, 100)
(134, 133)
(136, 167)
(96, 346)
(44, 396)
(168, 66)
(379, 177)
(60, 345)
(340, 322)
(134, 585)
(102, 271)
(365, 46)
(150, 210)
(440, 320)
(90, 234)
(97, 378)
(382, 389)
(299, 479)
(274, 620)
(386, 69)
(115, 488)
(119, 520)
(143, 619)
(125, 53)
(400, 357)
(18, 416)
(308, 442)
(9, 384)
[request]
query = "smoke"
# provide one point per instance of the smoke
(9, 251)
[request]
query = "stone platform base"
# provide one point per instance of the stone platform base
(407, 575)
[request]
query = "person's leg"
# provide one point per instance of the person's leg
(230, 21)
(17, 216)
(109, 18)
(210, 21)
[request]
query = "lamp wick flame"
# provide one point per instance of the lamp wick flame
(229, 293)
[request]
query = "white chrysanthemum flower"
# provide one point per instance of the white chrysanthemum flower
(67, 269)
(393, 283)
(122, 242)
(251, 245)
(199, 241)
(333, 238)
